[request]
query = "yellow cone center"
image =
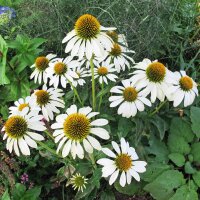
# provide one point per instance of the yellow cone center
(123, 162)
(102, 71)
(41, 63)
(113, 35)
(42, 97)
(60, 68)
(130, 94)
(186, 83)
(116, 50)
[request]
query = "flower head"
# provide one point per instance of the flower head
(118, 56)
(184, 89)
(49, 99)
(61, 71)
(105, 71)
(87, 38)
(154, 77)
(124, 162)
(78, 182)
(19, 131)
(41, 65)
(21, 103)
(75, 128)
(130, 99)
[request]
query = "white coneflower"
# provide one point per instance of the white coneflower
(124, 162)
(19, 131)
(130, 99)
(154, 77)
(61, 71)
(82, 73)
(40, 65)
(118, 38)
(78, 182)
(184, 89)
(21, 103)
(88, 38)
(104, 72)
(49, 100)
(76, 128)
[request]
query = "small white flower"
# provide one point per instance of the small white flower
(184, 88)
(104, 71)
(154, 77)
(61, 71)
(88, 38)
(118, 56)
(49, 99)
(40, 65)
(78, 182)
(21, 103)
(19, 131)
(125, 162)
(81, 73)
(76, 127)
(130, 99)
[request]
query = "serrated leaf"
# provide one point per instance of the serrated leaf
(162, 188)
(131, 189)
(153, 171)
(195, 149)
(178, 125)
(189, 169)
(177, 158)
(195, 118)
(196, 178)
(185, 193)
(124, 127)
(178, 144)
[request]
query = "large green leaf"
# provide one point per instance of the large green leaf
(195, 118)
(196, 178)
(195, 149)
(162, 188)
(124, 127)
(3, 63)
(182, 128)
(177, 158)
(185, 193)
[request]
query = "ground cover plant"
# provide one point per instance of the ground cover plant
(93, 112)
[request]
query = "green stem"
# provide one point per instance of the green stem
(76, 93)
(48, 148)
(101, 97)
(93, 85)
(91, 155)
(49, 134)
(158, 108)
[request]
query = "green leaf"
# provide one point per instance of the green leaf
(32, 194)
(162, 188)
(196, 178)
(177, 158)
(89, 188)
(107, 195)
(195, 149)
(19, 191)
(3, 53)
(178, 125)
(5, 196)
(178, 144)
(185, 193)
(130, 189)
(158, 148)
(161, 125)
(189, 168)
(124, 127)
(195, 118)
(153, 171)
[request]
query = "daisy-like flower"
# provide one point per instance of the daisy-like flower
(130, 99)
(19, 131)
(184, 89)
(154, 77)
(61, 71)
(117, 38)
(78, 182)
(125, 162)
(40, 65)
(49, 100)
(21, 103)
(118, 56)
(104, 71)
(75, 128)
(81, 73)
(88, 38)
